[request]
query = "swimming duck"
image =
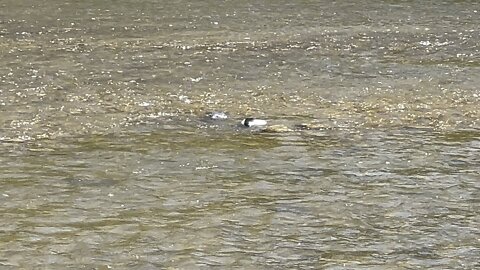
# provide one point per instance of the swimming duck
(254, 122)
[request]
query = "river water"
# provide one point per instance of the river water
(108, 161)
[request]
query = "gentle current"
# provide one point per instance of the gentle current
(108, 162)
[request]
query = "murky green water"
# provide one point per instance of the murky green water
(107, 160)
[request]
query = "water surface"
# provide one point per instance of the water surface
(108, 161)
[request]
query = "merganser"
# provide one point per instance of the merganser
(253, 122)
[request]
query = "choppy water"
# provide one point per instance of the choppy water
(108, 162)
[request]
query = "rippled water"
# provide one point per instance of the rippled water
(108, 160)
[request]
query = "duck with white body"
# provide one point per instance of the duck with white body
(254, 122)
